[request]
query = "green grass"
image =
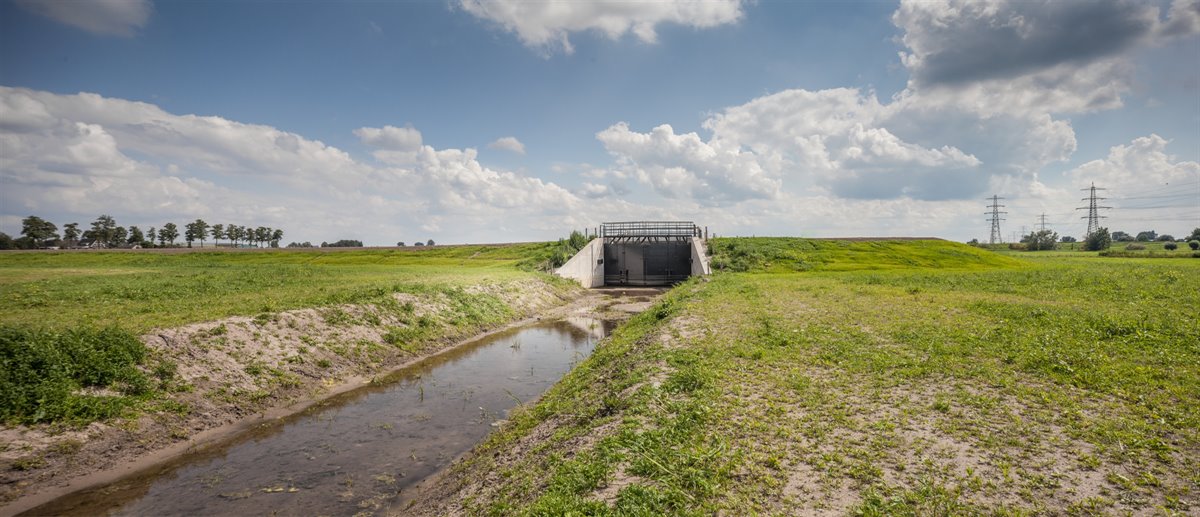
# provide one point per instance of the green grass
(69, 320)
(936, 382)
(43, 374)
(784, 255)
(146, 290)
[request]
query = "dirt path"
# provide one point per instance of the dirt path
(236, 373)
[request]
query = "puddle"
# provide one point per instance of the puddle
(356, 452)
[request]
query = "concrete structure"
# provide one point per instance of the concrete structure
(640, 254)
(587, 266)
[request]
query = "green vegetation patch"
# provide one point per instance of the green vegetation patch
(75, 376)
(789, 255)
(1069, 384)
(145, 290)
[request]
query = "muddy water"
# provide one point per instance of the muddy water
(358, 451)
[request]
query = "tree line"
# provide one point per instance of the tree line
(1099, 240)
(38, 233)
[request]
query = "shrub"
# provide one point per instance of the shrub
(1041, 240)
(1018, 246)
(1097, 240)
(1135, 247)
(46, 372)
(1195, 245)
(1170, 246)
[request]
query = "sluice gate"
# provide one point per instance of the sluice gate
(640, 253)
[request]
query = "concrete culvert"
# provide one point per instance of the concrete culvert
(640, 253)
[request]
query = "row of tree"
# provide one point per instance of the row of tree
(1101, 239)
(105, 233)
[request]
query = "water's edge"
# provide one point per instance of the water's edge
(130, 481)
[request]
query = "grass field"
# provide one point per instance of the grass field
(70, 321)
(938, 380)
(144, 290)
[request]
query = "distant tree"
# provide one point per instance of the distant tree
(1097, 240)
(1067, 238)
(262, 234)
(201, 230)
(304, 244)
(38, 230)
(1170, 246)
(217, 231)
(231, 233)
(6, 242)
(136, 236)
(430, 243)
(103, 230)
(168, 233)
(400, 244)
(71, 234)
(1165, 238)
(276, 236)
(1194, 244)
(1195, 236)
(1146, 236)
(189, 233)
(344, 243)
(151, 234)
(119, 235)
(973, 242)
(419, 243)
(1121, 237)
(1041, 240)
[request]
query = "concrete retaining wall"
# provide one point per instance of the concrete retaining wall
(700, 265)
(587, 266)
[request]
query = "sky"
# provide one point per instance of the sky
(471, 121)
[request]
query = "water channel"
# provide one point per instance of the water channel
(358, 451)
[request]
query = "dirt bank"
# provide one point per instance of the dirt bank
(225, 376)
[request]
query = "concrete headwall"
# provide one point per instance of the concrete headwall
(587, 266)
(700, 265)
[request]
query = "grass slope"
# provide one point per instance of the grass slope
(788, 255)
(1056, 385)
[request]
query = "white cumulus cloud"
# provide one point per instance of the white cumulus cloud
(546, 25)
(1143, 163)
(103, 17)
(683, 165)
(508, 143)
(72, 157)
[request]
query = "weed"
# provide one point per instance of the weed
(67, 446)
(46, 374)
(29, 463)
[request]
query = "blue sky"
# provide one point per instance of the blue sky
(789, 118)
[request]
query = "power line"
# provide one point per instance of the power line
(995, 219)
(1093, 217)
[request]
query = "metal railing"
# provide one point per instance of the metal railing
(649, 231)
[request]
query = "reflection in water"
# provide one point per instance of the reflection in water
(357, 451)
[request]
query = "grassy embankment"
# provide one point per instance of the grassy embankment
(69, 321)
(889, 378)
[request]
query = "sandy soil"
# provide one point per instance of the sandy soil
(234, 372)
